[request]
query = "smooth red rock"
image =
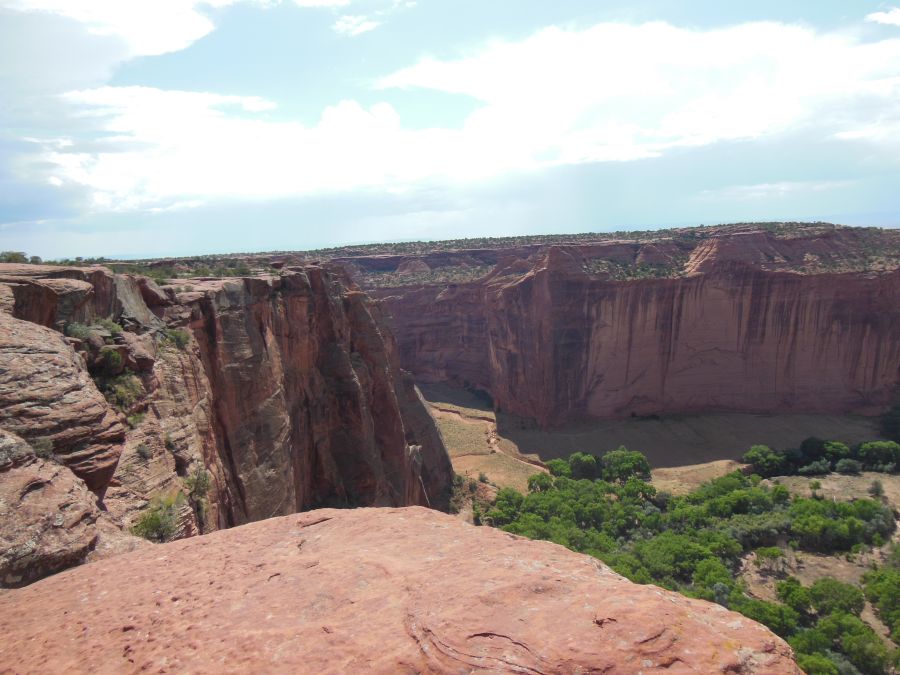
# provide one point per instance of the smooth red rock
(370, 590)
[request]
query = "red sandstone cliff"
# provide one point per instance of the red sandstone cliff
(737, 327)
(375, 591)
(287, 391)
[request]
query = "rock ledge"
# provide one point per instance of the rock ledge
(369, 590)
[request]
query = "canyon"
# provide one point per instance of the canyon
(740, 319)
(281, 393)
(234, 403)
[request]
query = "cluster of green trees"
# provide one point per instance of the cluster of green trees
(829, 638)
(19, 257)
(818, 457)
(694, 543)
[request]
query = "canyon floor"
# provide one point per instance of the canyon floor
(684, 450)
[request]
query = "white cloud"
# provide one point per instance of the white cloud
(625, 91)
(355, 25)
(148, 28)
(613, 92)
(890, 17)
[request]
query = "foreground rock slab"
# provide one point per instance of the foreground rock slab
(369, 590)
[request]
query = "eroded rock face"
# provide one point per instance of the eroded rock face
(46, 393)
(283, 391)
(371, 590)
(304, 403)
(552, 341)
(47, 515)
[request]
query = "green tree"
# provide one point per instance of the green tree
(765, 461)
(13, 257)
(621, 464)
(830, 595)
(583, 465)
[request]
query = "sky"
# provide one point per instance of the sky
(139, 128)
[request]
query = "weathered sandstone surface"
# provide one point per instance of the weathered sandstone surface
(285, 389)
(370, 590)
(745, 322)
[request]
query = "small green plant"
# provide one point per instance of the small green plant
(876, 489)
(482, 477)
(43, 447)
(160, 521)
(111, 360)
(144, 451)
(848, 466)
(135, 420)
(169, 443)
(121, 390)
(177, 337)
(77, 330)
(110, 325)
(198, 483)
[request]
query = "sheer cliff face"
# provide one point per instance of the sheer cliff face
(307, 400)
(287, 391)
(556, 343)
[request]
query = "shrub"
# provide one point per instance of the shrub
(836, 451)
(144, 451)
(816, 664)
(848, 466)
(77, 330)
(135, 420)
(110, 325)
(482, 477)
(121, 390)
(111, 360)
(818, 468)
(559, 467)
(876, 489)
(177, 337)
(877, 454)
(43, 447)
(765, 461)
(830, 595)
(792, 593)
(198, 484)
(769, 558)
(160, 521)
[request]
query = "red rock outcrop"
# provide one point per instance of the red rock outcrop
(46, 393)
(306, 398)
(285, 390)
(370, 590)
(729, 331)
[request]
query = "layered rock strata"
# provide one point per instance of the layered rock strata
(282, 393)
(733, 326)
(376, 591)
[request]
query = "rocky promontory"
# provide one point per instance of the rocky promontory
(370, 590)
(217, 402)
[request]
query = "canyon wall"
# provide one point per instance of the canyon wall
(285, 390)
(729, 325)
